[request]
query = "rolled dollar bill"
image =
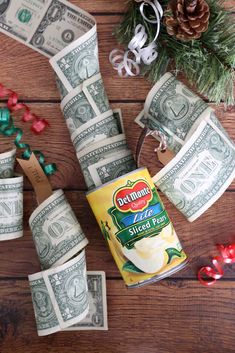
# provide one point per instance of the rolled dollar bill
(95, 130)
(7, 161)
(60, 296)
(99, 151)
(111, 168)
(173, 109)
(11, 208)
(56, 232)
(204, 163)
(201, 171)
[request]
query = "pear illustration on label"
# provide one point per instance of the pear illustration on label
(148, 254)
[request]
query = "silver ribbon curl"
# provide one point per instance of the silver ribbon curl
(127, 63)
(155, 133)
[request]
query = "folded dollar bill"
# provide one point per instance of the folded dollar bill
(95, 130)
(7, 162)
(173, 109)
(203, 166)
(96, 318)
(56, 232)
(201, 171)
(68, 36)
(11, 205)
(99, 151)
(60, 296)
(111, 168)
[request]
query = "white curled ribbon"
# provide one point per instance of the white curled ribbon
(127, 63)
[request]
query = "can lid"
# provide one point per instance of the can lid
(114, 180)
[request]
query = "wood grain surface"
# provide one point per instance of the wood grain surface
(176, 315)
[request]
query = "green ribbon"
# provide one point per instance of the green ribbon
(7, 128)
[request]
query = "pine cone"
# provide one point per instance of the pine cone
(187, 19)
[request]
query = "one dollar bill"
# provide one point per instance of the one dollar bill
(99, 151)
(7, 162)
(173, 109)
(60, 296)
(11, 208)
(84, 103)
(47, 26)
(96, 318)
(111, 168)
(57, 234)
(95, 130)
(200, 172)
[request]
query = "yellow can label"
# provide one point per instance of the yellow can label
(137, 228)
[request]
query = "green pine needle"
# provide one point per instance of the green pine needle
(208, 62)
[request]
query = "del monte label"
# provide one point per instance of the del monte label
(135, 196)
(137, 228)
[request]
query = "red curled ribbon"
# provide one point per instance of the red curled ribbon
(38, 124)
(227, 257)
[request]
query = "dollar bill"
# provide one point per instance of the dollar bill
(97, 129)
(61, 88)
(99, 151)
(18, 18)
(84, 103)
(76, 109)
(78, 61)
(47, 26)
(56, 232)
(117, 113)
(200, 172)
(44, 312)
(95, 92)
(7, 161)
(173, 109)
(111, 168)
(96, 319)
(60, 295)
(11, 208)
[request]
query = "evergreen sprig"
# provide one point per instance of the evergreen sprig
(208, 62)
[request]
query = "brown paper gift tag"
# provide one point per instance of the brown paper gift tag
(37, 177)
(165, 156)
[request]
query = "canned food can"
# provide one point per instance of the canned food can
(137, 228)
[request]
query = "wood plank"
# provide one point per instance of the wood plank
(18, 258)
(100, 6)
(35, 77)
(173, 316)
(57, 147)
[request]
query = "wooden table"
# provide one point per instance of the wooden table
(176, 315)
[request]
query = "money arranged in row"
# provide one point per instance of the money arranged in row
(96, 131)
(203, 163)
(64, 296)
(68, 36)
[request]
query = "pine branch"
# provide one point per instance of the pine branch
(208, 63)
